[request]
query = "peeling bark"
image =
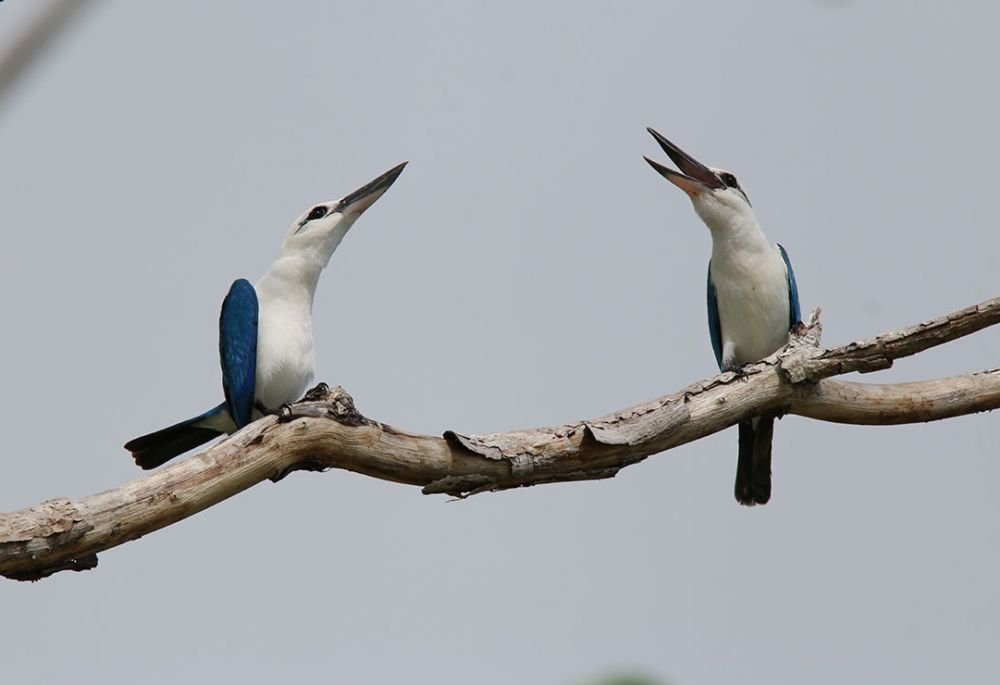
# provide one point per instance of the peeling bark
(325, 430)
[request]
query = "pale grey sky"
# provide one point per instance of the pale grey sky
(528, 268)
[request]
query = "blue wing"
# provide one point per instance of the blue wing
(794, 313)
(714, 326)
(238, 350)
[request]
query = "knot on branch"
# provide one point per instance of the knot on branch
(342, 408)
(322, 402)
(63, 535)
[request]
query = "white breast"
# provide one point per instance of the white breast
(285, 358)
(752, 293)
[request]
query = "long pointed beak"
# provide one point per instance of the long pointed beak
(693, 178)
(365, 196)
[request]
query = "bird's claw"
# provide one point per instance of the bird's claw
(742, 372)
(317, 394)
(285, 413)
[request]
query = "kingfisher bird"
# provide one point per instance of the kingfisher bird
(753, 300)
(265, 330)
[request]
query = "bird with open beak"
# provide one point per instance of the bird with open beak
(753, 300)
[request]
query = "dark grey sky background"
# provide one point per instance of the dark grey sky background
(528, 268)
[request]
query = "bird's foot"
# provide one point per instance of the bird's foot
(285, 413)
(317, 394)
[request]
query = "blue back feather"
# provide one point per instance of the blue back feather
(794, 313)
(714, 326)
(238, 350)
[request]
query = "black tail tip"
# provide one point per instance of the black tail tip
(749, 499)
(147, 462)
(753, 491)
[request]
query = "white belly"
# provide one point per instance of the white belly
(753, 304)
(284, 354)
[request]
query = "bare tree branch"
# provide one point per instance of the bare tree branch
(881, 405)
(326, 431)
(879, 352)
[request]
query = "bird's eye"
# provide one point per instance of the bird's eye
(317, 212)
(729, 180)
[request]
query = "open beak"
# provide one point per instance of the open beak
(693, 177)
(365, 196)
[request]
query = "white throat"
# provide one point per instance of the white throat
(295, 273)
(734, 230)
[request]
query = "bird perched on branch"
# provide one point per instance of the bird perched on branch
(265, 330)
(753, 301)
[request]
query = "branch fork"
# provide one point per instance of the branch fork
(325, 430)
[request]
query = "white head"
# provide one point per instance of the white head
(317, 233)
(717, 196)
